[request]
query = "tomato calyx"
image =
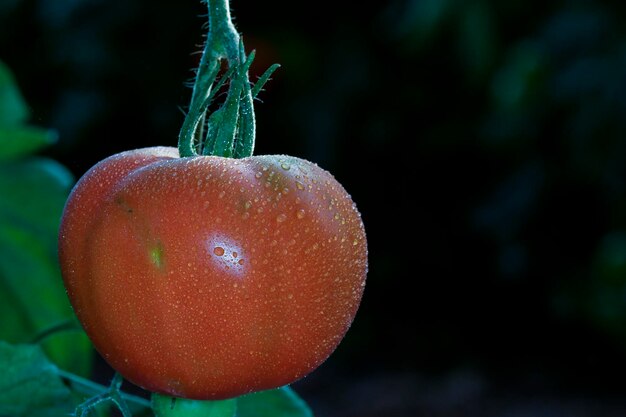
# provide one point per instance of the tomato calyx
(229, 131)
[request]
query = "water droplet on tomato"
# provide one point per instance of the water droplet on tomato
(300, 213)
(258, 174)
(299, 185)
(228, 254)
(281, 218)
(285, 166)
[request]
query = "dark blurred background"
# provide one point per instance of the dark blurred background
(484, 143)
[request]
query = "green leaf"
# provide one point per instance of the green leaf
(32, 195)
(21, 141)
(13, 109)
(17, 139)
(166, 406)
(29, 384)
(281, 402)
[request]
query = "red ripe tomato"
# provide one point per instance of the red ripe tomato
(208, 277)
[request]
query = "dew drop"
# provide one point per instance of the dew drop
(300, 214)
(222, 194)
(299, 185)
(258, 174)
(218, 250)
(285, 166)
(235, 254)
(281, 218)
(240, 262)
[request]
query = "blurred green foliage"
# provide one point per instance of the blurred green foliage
(32, 195)
(29, 386)
(280, 402)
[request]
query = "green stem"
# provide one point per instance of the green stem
(89, 387)
(231, 129)
(65, 325)
(223, 36)
(221, 40)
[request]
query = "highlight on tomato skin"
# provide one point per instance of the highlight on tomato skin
(210, 277)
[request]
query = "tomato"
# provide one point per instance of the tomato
(207, 277)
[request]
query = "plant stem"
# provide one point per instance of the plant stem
(232, 132)
(223, 36)
(65, 325)
(89, 387)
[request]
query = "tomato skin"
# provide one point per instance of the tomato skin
(83, 206)
(207, 277)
